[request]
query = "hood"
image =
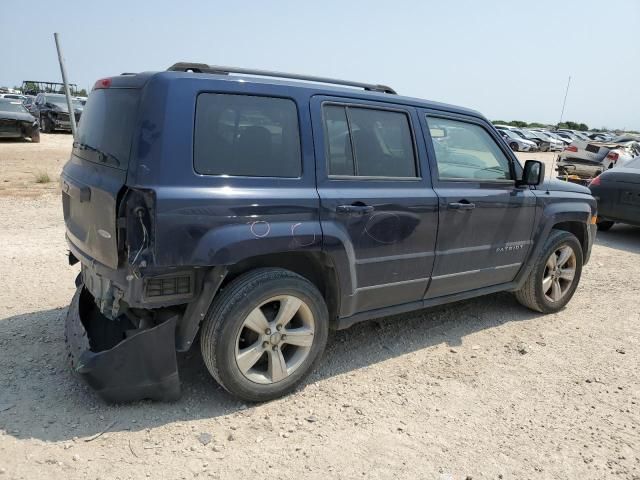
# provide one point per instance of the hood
(555, 185)
(20, 116)
(63, 108)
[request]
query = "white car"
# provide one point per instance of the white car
(516, 142)
(555, 144)
(591, 158)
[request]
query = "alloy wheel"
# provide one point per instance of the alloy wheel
(275, 339)
(559, 273)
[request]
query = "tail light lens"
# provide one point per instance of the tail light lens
(102, 83)
(613, 156)
(571, 148)
(595, 182)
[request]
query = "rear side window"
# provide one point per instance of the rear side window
(106, 126)
(243, 135)
(368, 142)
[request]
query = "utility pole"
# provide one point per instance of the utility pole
(72, 115)
(566, 92)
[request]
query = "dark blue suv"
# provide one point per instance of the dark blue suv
(262, 209)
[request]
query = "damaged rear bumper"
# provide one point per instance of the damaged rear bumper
(120, 362)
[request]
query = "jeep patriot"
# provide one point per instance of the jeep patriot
(254, 211)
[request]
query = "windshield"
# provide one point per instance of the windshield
(106, 128)
(541, 135)
(12, 106)
(510, 134)
(520, 134)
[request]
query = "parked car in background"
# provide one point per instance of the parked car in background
(551, 144)
(563, 141)
(542, 145)
(591, 158)
(570, 137)
(16, 121)
(517, 142)
(12, 96)
(29, 103)
(264, 213)
(575, 134)
(53, 112)
(618, 194)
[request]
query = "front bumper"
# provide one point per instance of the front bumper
(122, 364)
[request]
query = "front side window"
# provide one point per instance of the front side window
(244, 135)
(466, 151)
(368, 142)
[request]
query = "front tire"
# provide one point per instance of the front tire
(555, 275)
(264, 333)
(45, 125)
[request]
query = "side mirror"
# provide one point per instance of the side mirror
(533, 173)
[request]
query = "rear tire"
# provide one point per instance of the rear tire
(605, 225)
(548, 288)
(251, 342)
(514, 146)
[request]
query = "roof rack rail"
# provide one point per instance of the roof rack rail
(204, 68)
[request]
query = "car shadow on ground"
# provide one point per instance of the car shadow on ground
(41, 398)
(621, 237)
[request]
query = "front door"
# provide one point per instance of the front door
(379, 213)
(486, 221)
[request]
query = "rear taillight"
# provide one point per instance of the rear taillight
(102, 83)
(571, 148)
(613, 156)
(595, 182)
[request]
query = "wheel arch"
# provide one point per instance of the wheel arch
(315, 266)
(577, 228)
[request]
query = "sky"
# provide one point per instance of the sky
(509, 60)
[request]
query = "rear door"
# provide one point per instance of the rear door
(378, 210)
(486, 222)
(96, 172)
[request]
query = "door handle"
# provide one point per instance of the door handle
(354, 209)
(462, 206)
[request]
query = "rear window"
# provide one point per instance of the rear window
(106, 126)
(244, 135)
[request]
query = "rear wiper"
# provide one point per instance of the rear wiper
(102, 156)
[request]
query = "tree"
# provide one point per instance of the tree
(82, 92)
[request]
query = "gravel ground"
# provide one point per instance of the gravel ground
(478, 389)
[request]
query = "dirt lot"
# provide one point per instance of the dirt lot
(479, 389)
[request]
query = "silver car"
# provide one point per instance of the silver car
(555, 144)
(516, 142)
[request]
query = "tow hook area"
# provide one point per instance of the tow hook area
(122, 362)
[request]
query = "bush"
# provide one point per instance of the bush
(42, 177)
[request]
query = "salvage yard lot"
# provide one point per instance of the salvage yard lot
(482, 388)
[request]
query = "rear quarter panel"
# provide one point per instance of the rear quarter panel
(205, 220)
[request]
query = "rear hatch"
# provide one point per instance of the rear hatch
(95, 175)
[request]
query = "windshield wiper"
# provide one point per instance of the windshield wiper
(102, 156)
